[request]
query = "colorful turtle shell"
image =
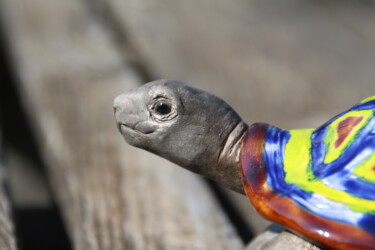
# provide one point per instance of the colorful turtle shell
(319, 183)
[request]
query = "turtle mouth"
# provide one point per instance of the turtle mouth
(126, 129)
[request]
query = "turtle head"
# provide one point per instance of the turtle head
(187, 126)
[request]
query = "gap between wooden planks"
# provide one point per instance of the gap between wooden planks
(7, 236)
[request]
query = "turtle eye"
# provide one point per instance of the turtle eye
(162, 107)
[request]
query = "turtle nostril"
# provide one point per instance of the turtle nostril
(116, 109)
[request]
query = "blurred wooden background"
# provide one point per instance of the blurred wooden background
(289, 63)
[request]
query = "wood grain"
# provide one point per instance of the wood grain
(112, 196)
(270, 240)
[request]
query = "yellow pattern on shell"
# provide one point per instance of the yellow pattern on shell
(371, 98)
(297, 167)
(298, 157)
(366, 170)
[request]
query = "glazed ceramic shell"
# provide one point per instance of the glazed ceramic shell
(319, 183)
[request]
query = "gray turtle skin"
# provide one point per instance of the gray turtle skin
(193, 129)
(187, 126)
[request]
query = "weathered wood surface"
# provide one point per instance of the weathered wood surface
(275, 237)
(285, 240)
(7, 236)
(289, 63)
(112, 196)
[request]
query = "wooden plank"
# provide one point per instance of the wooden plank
(270, 240)
(289, 63)
(112, 196)
(7, 235)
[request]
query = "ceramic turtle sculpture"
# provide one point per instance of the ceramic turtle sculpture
(318, 183)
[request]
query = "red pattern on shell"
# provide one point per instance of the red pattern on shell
(345, 127)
